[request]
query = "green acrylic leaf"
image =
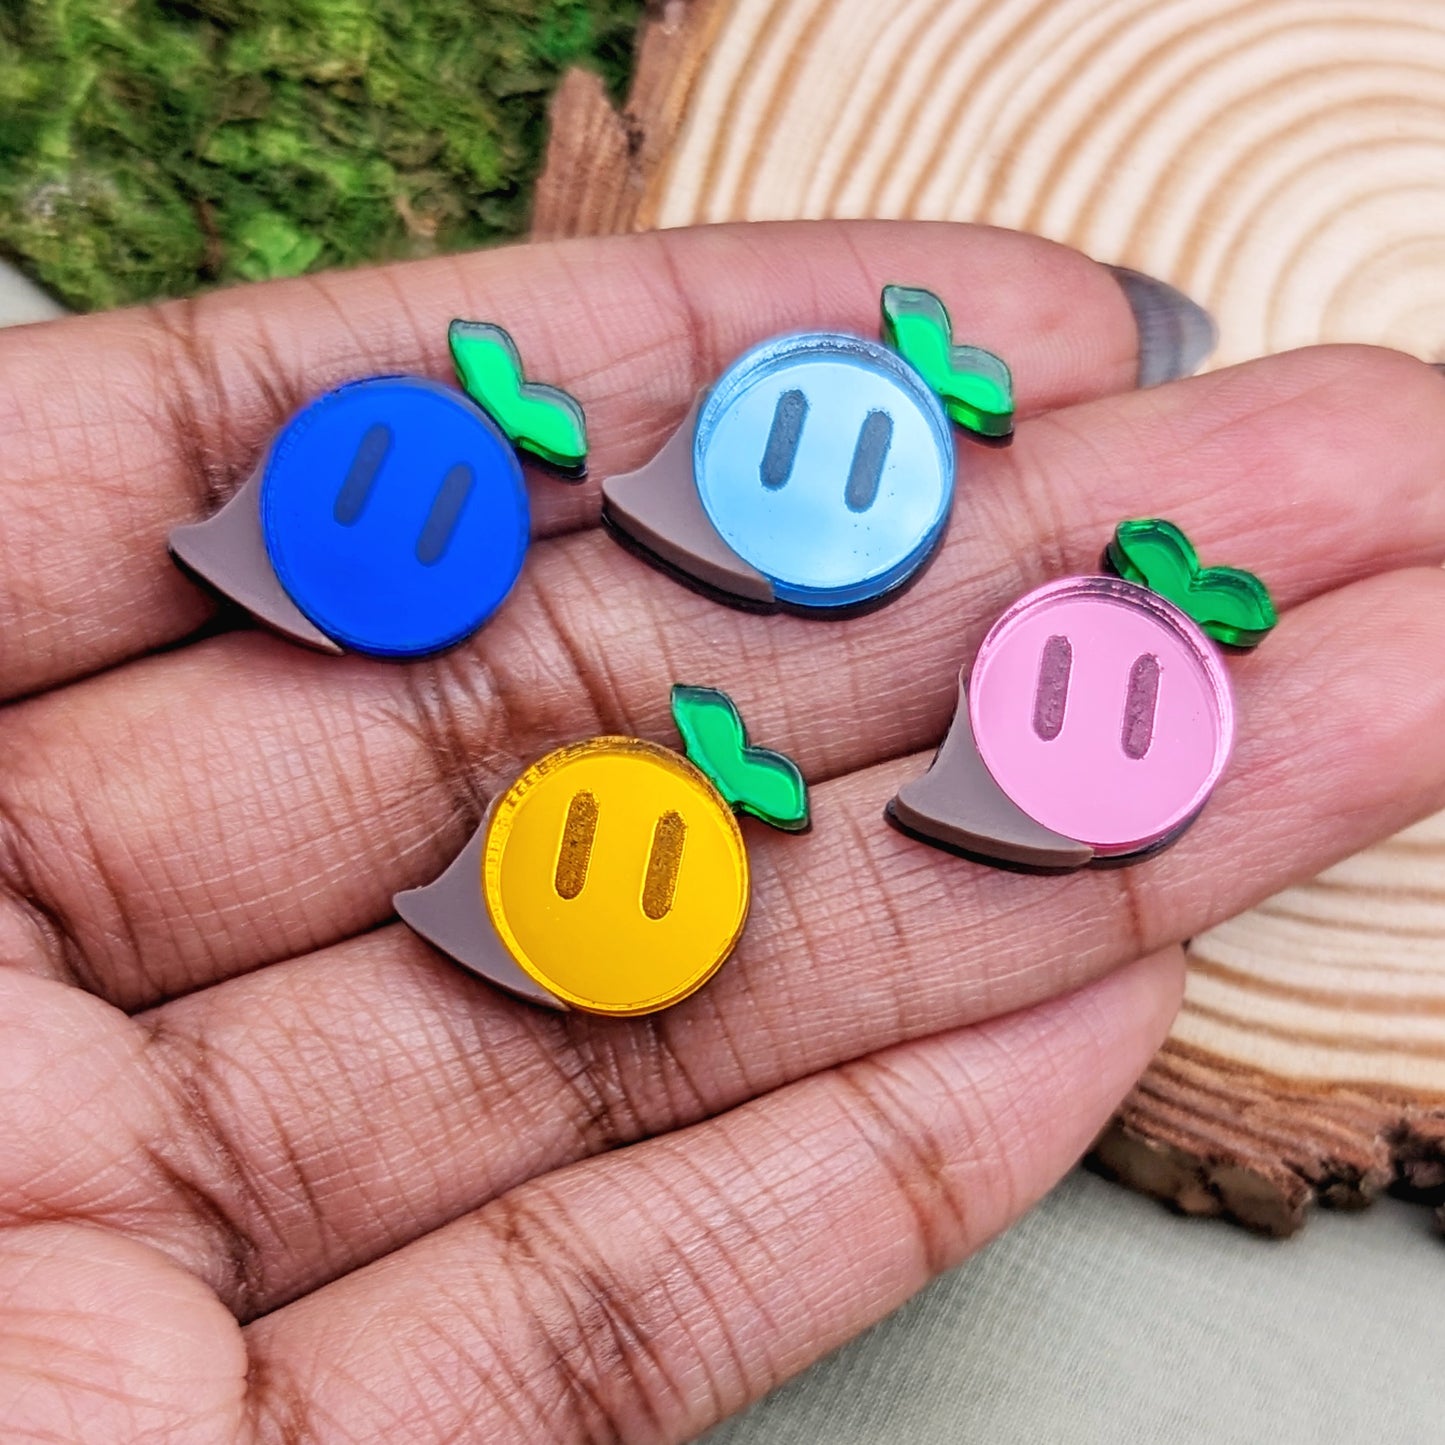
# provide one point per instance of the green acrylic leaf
(974, 385)
(543, 420)
(759, 781)
(1233, 607)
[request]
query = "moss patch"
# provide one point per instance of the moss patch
(151, 148)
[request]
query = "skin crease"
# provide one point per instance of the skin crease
(271, 1169)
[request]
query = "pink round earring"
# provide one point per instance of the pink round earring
(1098, 714)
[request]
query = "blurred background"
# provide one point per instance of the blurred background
(151, 148)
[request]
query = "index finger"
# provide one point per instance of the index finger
(119, 427)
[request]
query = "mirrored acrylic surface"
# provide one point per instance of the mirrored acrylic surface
(827, 464)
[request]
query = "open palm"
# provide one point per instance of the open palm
(272, 1169)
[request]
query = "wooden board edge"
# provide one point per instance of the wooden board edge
(621, 156)
(1213, 1138)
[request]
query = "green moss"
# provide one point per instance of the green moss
(151, 149)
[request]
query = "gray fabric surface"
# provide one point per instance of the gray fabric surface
(1102, 1317)
(21, 300)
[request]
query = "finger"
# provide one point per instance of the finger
(120, 427)
(328, 1110)
(647, 1295)
(101, 1340)
(143, 822)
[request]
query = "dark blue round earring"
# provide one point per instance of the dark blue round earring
(389, 516)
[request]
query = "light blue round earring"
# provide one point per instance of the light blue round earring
(818, 474)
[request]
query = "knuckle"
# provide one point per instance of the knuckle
(624, 1084)
(696, 346)
(278, 1404)
(600, 1102)
(598, 1363)
(1137, 929)
(537, 676)
(475, 715)
(206, 1168)
(199, 402)
(910, 1154)
(223, 383)
(38, 932)
(55, 883)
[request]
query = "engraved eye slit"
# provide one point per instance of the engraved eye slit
(1140, 706)
(446, 508)
(664, 858)
(446, 511)
(866, 473)
(783, 438)
(575, 855)
(663, 862)
(1051, 697)
(365, 467)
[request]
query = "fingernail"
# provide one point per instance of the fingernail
(1175, 333)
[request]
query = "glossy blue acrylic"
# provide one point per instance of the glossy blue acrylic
(826, 463)
(395, 514)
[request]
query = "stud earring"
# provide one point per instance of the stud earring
(389, 516)
(817, 475)
(1098, 715)
(612, 876)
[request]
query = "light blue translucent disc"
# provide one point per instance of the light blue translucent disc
(825, 462)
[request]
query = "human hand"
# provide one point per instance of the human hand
(272, 1169)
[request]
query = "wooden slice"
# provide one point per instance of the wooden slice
(1283, 161)
(1308, 1060)
(601, 166)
